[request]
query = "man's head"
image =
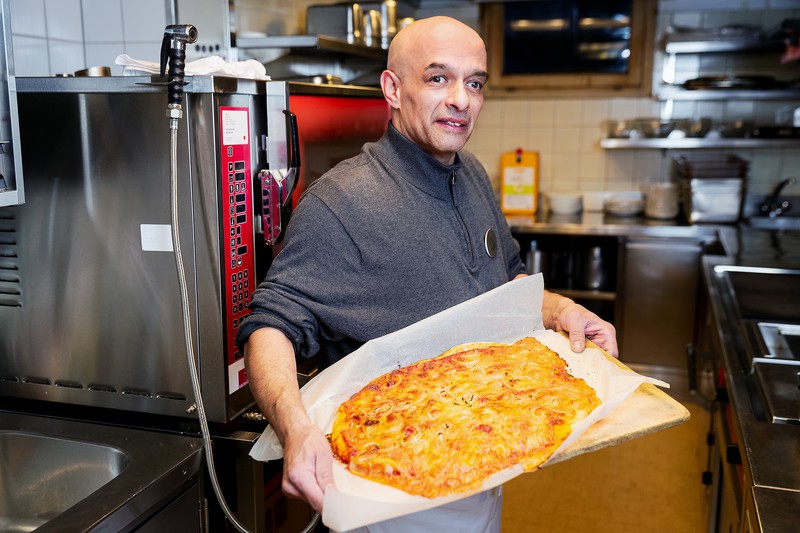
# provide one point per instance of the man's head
(434, 84)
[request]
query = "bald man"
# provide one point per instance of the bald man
(407, 228)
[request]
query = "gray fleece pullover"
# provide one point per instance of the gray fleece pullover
(382, 240)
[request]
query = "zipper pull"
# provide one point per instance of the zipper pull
(453, 177)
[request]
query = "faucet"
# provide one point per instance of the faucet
(771, 207)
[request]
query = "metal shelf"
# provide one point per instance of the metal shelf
(674, 92)
(694, 45)
(696, 143)
(312, 44)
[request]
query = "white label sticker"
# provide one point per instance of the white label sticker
(156, 237)
(234, 127)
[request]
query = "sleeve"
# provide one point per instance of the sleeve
(304, 283)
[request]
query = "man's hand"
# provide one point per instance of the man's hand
(307, 469)
(307, 466)
(562, 314)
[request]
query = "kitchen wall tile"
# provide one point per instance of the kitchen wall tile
(31, 56)
(541, 113)
(739, 109)
(687, 19)
(103, 54)
(765, 171)
(143, 20)
(491, 113)
(64, 21)
(568, 113)
(515, 112)
(592, 171)
(565, 172)
(710, 109)
(566, 139)
(783, 4)
(146, 51)
(619, 170)
(589, 139)
(594, 112)
(102, 21)
(27, 17)
(647, 167)
(622, 108)
(541, 140)
(646, 107)
(485, 138)
(66, 57)
(513, 137)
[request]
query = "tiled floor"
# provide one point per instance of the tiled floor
(651, 484)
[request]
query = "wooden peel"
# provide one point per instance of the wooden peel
(647, 410)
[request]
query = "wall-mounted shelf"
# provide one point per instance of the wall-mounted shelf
(676, 92)
(696, 143)
(703, 42)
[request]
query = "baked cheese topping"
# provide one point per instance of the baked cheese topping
(444, 425)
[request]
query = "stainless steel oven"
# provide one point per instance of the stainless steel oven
(89, 306)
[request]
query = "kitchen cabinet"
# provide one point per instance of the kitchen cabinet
(591, 48)
(649, 289)
(580, 267)
(660, 287)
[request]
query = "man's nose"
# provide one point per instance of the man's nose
(458, 97)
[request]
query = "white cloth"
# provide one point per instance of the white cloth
(207, 66)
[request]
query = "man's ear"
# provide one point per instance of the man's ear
(390, 84)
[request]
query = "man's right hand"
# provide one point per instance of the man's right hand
(307, 469)
(307, 466)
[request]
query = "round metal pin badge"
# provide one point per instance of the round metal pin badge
(490, 242)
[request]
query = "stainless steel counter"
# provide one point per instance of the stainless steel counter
(769, 451)
(600, 224)
(154, 468)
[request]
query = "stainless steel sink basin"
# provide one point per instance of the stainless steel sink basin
(66, 475)
(43, 476)
(766, 294)
(775, 223)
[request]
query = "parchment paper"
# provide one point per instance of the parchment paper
(505, 314)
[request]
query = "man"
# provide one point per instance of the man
(406, 229)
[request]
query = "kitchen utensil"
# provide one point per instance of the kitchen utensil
(732, 82)
(624, 203)
(712, 187)
(661, 201)
(565, 203)
(593, 274)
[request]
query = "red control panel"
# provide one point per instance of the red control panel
(237, 232)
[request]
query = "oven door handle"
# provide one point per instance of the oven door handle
(277, 186)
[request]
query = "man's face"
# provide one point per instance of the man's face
(440, 94)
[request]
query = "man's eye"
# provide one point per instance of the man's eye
(475, 85)
(437, 79)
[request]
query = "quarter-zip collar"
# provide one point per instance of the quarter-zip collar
(408, 161)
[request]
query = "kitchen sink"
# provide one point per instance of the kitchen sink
(60, 474)
(43, 476)
(764, 294)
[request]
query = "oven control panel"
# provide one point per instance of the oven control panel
(237, 233)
